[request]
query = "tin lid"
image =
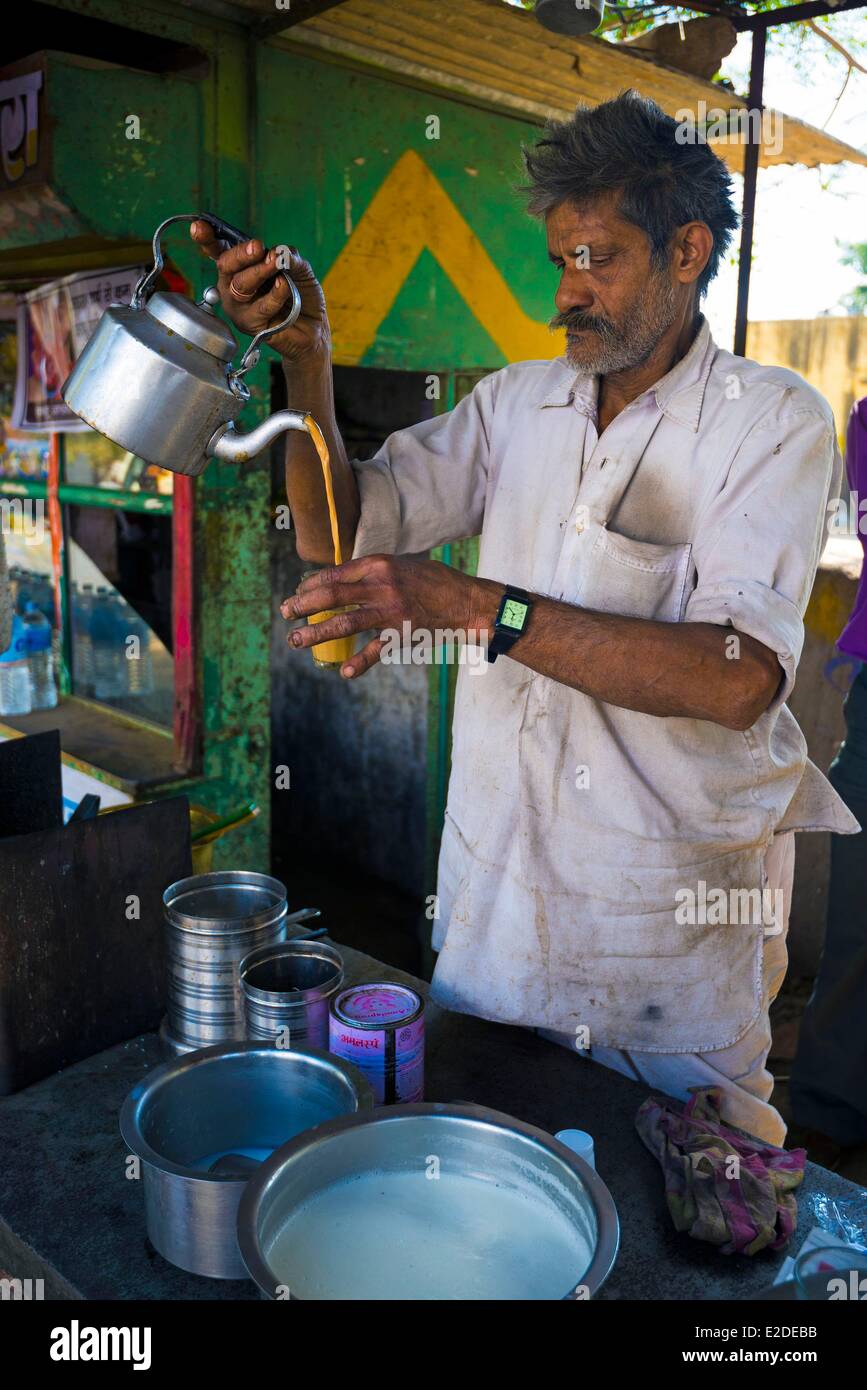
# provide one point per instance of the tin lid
(195, 323)
(375, 1005)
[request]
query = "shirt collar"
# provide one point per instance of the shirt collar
(679, 394)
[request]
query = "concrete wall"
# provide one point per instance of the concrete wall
(830, 352)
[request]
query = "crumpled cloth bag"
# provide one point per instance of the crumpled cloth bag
(720, 1185)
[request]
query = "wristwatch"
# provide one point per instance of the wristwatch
(511, 621)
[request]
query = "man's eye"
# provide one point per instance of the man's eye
(601, 260)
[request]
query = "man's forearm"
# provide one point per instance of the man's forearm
(310, 387)
(691, 670)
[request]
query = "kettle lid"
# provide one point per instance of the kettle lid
(195, 323)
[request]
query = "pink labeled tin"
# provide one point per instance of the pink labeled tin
(380, 1029)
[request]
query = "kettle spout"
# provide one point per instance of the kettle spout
(231, 445)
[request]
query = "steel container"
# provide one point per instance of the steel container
(228, 1106)
(286, 988)
(502, 1160)
(212, 921)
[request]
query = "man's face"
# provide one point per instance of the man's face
(614, 305)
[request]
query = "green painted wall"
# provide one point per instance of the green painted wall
(296, 149)
(328, 137)
(193, 154)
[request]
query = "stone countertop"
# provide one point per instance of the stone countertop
(69, 1215)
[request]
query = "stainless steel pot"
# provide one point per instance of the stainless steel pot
(212, 921)
(427, 1201)
(202, 1123)
(286, 989)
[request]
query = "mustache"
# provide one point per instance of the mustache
(578, 319)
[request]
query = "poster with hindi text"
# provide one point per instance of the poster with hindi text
(55, 322)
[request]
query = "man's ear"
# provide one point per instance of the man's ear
(693, 244)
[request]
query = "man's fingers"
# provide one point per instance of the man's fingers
(350, 572)
(363, 660)
(273, 301)
(251, 277)
(248, 253)
(330, 629)
(335, 586)
(206, 238)
(317, 599)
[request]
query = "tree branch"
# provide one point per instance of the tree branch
(823, 34)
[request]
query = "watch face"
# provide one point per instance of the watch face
(514, 614)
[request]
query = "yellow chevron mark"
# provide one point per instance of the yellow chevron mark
(411, 212)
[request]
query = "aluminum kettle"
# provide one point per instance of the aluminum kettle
(156, 376)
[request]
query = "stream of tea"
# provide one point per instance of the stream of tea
(334, 653)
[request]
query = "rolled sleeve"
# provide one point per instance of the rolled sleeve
(427, 484)
(760, 539)
(757, 611)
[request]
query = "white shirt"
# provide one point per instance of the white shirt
(572, 825)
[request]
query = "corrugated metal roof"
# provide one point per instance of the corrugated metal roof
(488, 51)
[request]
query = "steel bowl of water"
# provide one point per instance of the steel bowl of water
(202, 1124)
(427, 1202)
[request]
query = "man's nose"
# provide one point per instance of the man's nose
(573, 292)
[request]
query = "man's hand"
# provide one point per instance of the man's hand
(388, 591)
(260, 297)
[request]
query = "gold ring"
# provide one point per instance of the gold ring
(238, 294)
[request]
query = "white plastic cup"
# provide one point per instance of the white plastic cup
(580, 1142)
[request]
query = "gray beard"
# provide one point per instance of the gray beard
(626, 345)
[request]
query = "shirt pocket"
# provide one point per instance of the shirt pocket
(637, 579)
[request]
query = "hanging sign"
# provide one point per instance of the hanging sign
(54, 323)
(19, 124)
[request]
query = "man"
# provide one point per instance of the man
(651, 512)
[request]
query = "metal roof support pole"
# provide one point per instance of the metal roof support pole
(751, 169)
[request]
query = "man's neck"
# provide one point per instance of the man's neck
(617, 389)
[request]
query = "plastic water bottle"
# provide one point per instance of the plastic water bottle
(23, 590)
(82, 649)
(107, 645)
(15, 687)
(40, 659)
(43, 597)
(140, 667)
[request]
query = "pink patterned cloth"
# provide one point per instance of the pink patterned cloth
(722, 1186)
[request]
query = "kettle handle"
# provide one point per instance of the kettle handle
(233, 237)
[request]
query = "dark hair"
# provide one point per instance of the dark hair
(628, 146)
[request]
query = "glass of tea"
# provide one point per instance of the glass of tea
(331, 655)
